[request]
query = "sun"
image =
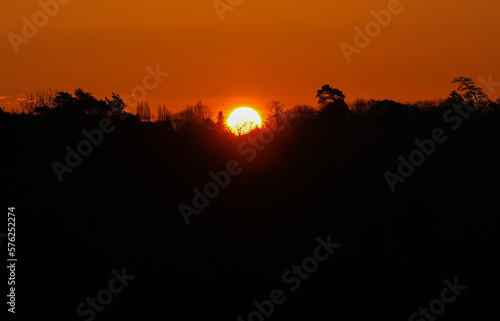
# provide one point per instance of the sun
(243, 120)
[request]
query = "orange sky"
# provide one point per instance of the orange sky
(263, 50)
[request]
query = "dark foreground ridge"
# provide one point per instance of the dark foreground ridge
(429, 232)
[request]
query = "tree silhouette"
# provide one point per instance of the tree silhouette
(332, 100)
(163, 114)
(116, 105)
(300, 114)
(82, 103)
(143, 111)
(39, 102)
(276, 118)
(242, 128)
(87, 103)
(470, 92)
(221, 122)
(454, 99)
(65, 102)
(360, 106)
(193, 115)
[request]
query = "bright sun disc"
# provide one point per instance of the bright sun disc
(243, 120)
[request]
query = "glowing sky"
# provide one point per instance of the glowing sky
(263, 50)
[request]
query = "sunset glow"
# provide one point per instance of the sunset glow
(243, 120)
(284, 49)
(250, 160)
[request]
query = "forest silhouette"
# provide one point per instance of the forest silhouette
(322, 173)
